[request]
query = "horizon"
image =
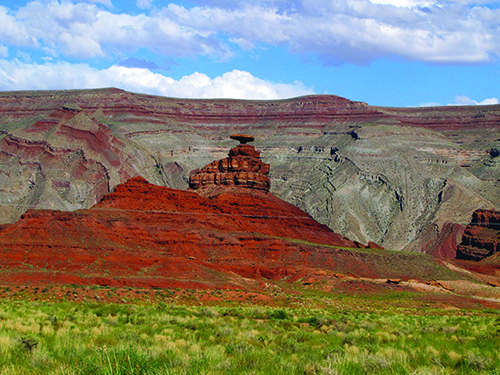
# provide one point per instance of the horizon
(390, 53)
(430, 107)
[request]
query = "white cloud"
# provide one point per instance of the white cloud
(83, 30)
(355, 31)
(144, 4)
(430, 104)
(12, 31)
(15, 75)
(464, 100)
(243, 43)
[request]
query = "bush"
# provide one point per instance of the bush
(28, 343)
(279, 314)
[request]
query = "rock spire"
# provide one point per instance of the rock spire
(243, 168)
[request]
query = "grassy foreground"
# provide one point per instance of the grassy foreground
(93, 338)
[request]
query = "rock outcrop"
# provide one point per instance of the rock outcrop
(242, 168)
(394, 176)
(481, 238)
(147, 235)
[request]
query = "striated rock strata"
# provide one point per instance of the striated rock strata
(448, 240)
(147, 235)
(481, 238)
(243, 168)
(394, 176)
(153, 236)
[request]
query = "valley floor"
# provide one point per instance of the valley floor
(80, 330)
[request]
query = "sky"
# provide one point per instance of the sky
(395, 53)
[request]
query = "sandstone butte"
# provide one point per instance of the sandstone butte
(152, 236)
(242, 168)
(481, 238)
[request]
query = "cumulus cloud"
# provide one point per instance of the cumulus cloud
(15, 75)
(104, 2)
(14, 32)
(406, 3)
(356, 31)
(464, 100)
(430, 104)
(84, 30)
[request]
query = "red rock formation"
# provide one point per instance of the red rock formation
(148, 235)
(373, 245)
(316, 110)
(242, 138)
(242, 168)
(481, 238)
(449, 118)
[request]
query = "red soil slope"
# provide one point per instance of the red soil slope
(148, 235)
(448, 241)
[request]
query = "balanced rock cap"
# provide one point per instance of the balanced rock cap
(242, 138)
(243, 168)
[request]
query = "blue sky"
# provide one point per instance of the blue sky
(382, 52)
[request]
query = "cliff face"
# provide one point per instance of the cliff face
(481, 238)
(34, 173)
(389, 175)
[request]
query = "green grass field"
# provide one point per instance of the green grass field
(160, 338)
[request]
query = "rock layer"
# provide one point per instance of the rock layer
(394, 176)
(145, 235)
(148, 235)
(242, 168)
(481, 238)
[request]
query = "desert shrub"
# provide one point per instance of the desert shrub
(27, 343)
(279, 314)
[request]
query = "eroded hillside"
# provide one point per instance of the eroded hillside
(389, 175)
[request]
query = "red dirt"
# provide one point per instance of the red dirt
(147, 235)
(447, 243)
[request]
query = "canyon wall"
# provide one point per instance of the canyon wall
(394, 176)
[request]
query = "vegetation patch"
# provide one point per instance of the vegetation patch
(171, 338)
